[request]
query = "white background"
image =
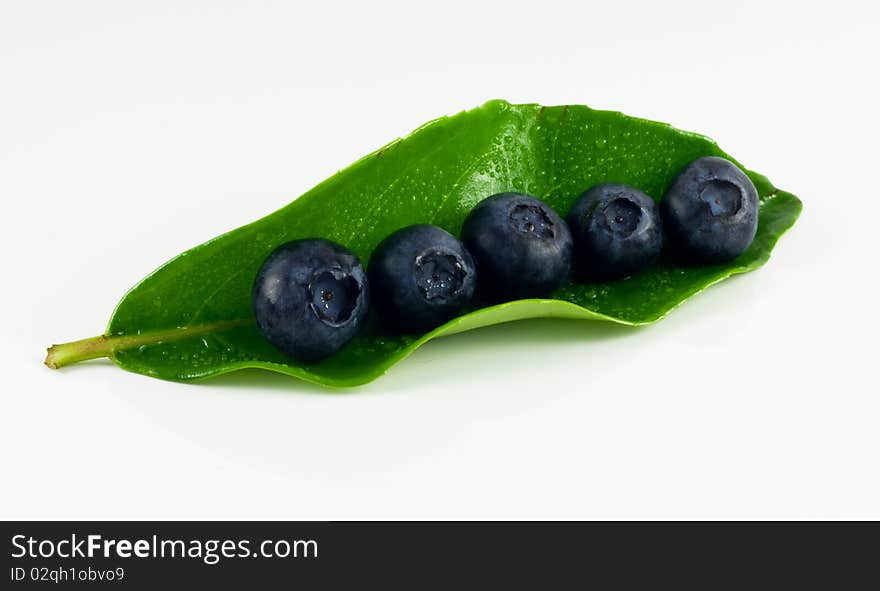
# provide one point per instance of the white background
(132, 131)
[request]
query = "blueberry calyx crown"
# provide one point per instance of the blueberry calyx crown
(333, 296)
(622, 216)
(439, 274)
(723, 197)
(532, 220)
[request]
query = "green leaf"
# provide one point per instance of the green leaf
(192, 317)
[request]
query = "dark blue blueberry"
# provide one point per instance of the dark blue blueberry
(310, 297)
(522, 247)
(711, 211)
(420, 277)
(617, 231)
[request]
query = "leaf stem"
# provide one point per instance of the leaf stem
(67, 353)
(106, 345)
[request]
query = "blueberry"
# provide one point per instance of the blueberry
(420, 277)
(522, 247)
(310, 297)
(617, 231)
(711, 211)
